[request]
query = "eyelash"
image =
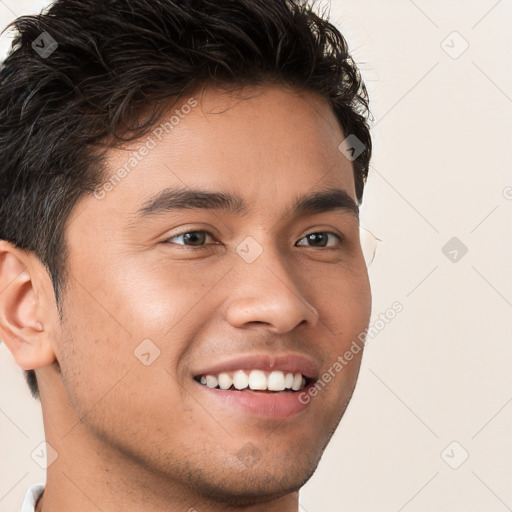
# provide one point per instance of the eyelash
(168, 240)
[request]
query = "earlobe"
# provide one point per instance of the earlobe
(21, 327)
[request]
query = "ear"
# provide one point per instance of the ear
(27, 307)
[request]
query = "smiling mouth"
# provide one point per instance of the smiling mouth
(255, 381)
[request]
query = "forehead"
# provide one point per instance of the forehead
(267, 145)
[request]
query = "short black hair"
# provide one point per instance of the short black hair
(62, 106)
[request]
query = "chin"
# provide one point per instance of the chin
(254, 484)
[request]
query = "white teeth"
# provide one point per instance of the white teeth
(240, 379)
(276, 381)
(211, 381)
(256, 380)
(297, 382)
(225, 381)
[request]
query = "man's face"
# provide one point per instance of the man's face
(148, 310)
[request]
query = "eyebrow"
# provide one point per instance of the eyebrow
(176, 199)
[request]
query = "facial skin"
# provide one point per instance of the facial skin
(132, 437)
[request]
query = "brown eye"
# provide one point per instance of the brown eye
(319, 239)
(191, 238)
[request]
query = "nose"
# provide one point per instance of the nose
(267, 291)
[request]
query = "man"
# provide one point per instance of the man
(180, 261)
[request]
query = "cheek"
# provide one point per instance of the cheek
(160, 295)
(345, 313)
(118, 392)
(132, 334)
(96, 347)
(344, 302)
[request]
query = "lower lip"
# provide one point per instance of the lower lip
(272, 405)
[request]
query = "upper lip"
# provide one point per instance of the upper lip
(285, 362)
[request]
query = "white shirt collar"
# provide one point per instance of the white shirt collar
(31, 497)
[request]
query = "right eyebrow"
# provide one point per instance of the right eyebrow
(170, 199)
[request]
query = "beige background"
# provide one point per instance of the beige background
(440, 371)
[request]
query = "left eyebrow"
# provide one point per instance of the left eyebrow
(325, 201)
(175, 199)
